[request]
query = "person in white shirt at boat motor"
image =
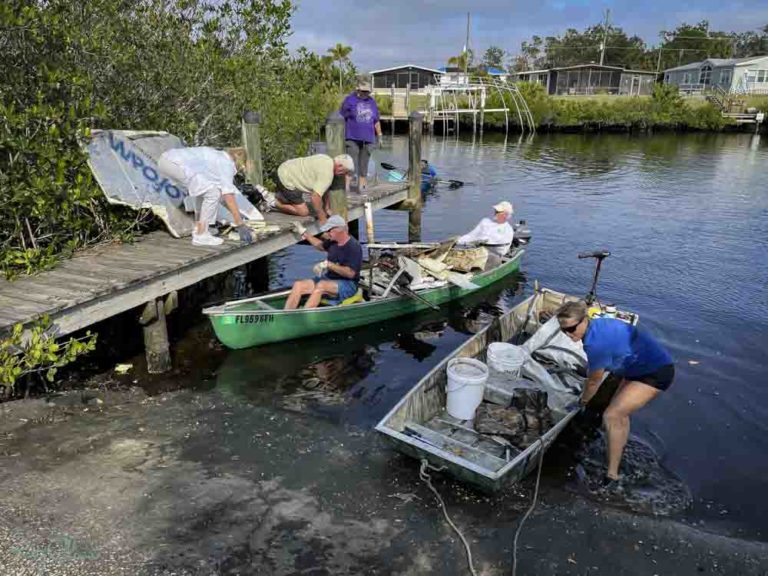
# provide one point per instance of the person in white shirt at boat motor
(312, 175)
(336, 278)
(208, 174)
(495, 234)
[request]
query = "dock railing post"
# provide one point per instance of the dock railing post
(252, 143)
(334, 138)
(415, 127)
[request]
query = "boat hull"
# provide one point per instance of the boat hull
(246, 325)
(428, 398)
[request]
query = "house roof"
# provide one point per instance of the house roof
(718, 63)
(580, 66)
(406, 66)
(495, 71)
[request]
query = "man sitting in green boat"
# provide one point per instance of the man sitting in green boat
(336, 278)
(495, 234)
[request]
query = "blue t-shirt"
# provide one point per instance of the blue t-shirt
(619, 347)
(350, 255)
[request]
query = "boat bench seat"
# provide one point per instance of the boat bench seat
(357, 297)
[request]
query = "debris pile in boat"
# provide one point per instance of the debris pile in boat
(521, 423)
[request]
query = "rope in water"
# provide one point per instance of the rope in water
(530, 508)
(424, 475)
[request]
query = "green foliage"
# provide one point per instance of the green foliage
(190, 67)
(665, 109)
(686, 43)
(39, 353)
(494, 57)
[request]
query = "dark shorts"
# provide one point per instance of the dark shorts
(293, 197)
(661, 379)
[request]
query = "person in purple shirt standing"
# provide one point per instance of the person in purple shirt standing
(362, 129)
(612, 345)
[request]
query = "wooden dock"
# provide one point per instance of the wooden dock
(103, 281)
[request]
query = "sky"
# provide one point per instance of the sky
(385, 33)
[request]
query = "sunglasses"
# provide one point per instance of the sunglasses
(571, 329)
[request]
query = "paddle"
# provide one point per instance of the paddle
(451, 183)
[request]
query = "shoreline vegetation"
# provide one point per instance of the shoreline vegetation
(666, 109)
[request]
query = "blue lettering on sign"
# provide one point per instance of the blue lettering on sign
(148, 172)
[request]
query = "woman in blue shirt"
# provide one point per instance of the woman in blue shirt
(612, 345)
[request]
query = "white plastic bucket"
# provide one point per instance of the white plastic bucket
(466, 384)
(507, 358)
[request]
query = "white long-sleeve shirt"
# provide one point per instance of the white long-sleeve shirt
(496, 237)
(204, 169)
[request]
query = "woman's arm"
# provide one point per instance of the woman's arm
(591, 386)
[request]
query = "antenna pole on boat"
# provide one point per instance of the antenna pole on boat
(598, 255)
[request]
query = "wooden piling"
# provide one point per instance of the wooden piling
(415, 127)
(334, 138)
(251, 135)
(157, 349)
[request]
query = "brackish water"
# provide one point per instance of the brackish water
(686, 220)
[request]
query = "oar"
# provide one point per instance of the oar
(451, 183)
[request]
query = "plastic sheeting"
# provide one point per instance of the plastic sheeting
(557, 363)
(124, 163)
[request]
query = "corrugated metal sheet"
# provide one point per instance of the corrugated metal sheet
(124, 163)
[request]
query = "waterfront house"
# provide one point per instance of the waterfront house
(407, 76)
(735, 75)
(591, 79)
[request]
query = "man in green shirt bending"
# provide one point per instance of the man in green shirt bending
(311, 176)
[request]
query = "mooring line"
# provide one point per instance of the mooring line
(424, 475)
(530, 508)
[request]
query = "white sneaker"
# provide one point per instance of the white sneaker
(205, 239)
(269, 197)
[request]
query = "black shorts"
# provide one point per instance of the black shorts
(661, 379)
(293, 197)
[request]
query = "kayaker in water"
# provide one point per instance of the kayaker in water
(496, 234)
(428, 175)
(615, 346)
(362, 130)
(312, 175)
(336, 278)
(208, 174)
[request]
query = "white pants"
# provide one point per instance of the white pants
(206, 204)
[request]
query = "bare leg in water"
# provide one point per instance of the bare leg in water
(630, 398)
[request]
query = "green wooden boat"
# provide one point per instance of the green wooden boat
(262, 320)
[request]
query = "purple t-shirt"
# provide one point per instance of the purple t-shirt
(360, 115)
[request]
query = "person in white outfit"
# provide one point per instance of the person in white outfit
(496, 234)
(208, 174)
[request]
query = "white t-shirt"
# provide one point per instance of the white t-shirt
(204, 169)
(496, 237)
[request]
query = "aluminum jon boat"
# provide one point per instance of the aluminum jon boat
(420, 426)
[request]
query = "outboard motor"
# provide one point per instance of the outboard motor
(522, 233)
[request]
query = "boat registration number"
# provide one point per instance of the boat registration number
(254, 319)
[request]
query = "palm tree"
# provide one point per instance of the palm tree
(340, 54)
(461, 61)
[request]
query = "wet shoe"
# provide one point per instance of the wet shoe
(610, 486)
(205, 239)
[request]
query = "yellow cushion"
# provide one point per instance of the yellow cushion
(357, 297)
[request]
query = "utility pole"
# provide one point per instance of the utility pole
(605, 36)
(466, 50)
(658, 62)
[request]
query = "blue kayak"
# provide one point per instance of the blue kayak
(428, 181)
